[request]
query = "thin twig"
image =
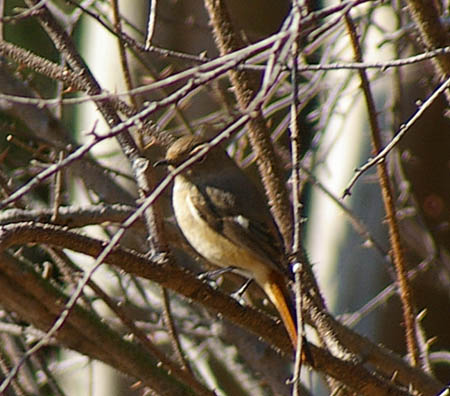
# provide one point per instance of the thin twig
(388, 200)
(173, 333)
(296, 204)
(404, 128)
(57, 190)
(122, 52)
(433, 33)
(151, 24)
(186, 375)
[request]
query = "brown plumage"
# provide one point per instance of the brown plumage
(226, 220)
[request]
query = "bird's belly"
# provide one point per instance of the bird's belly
(216, 248)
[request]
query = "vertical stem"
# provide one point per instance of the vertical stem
(122, 51)
(432, 32)
(245, 86)
(388, 200)
(297, 232)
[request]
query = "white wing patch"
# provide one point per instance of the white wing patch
(242, 221)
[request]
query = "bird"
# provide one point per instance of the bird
(225, 218)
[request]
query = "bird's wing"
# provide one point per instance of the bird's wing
(254, 231)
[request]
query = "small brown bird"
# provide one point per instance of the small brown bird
(226, 220)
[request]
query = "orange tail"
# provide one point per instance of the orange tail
(275, 290)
